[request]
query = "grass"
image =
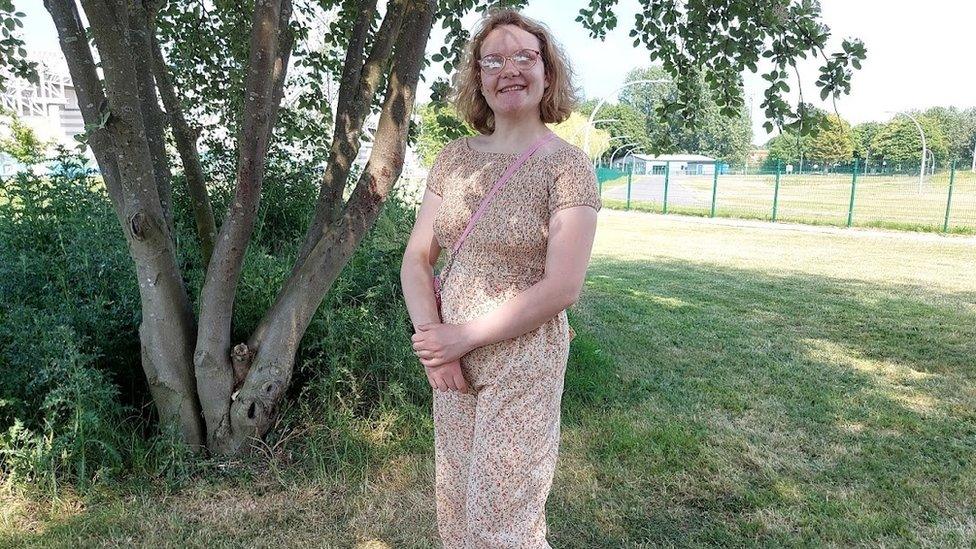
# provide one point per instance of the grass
(730, 385)
(880, 201)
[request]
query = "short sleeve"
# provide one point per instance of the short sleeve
(437, 171)
(574, 183)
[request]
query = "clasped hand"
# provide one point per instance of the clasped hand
(440, 348)
(436, 344)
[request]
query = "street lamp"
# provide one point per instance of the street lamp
(586, 135)
(594, 123)
(618, 150)
(921, 168)
(614, 138)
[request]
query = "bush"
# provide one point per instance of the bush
(74, 405)
(72, 397)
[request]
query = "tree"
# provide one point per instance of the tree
(623, 124)
(232, 61)
(788, 148)
(958, 127)
(863, 135)
(572, 128)
(439, 125)
(899, 144)
(713, 134)
(833, 144)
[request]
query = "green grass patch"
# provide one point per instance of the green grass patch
(728, 386)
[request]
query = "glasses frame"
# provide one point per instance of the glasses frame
(507, 58)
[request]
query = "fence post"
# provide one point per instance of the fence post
(714, 186)
(599, 181)
(776, 188)
(630, 177)
(667, 178)
(850, 207)
(952, 179)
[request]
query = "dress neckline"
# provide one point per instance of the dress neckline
(468, 146)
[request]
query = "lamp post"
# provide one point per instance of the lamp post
(618, 150)
(921, 168)
(586, 135)
(593, 124)
(612, 139)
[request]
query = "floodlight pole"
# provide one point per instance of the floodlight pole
(586, 133)
(618, 150)
(921, 169)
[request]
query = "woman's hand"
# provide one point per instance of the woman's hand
(436, 344)
(447, 377)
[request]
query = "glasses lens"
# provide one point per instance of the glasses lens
(492, 63)
(524, 59)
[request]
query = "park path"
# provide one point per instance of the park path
(650, 188)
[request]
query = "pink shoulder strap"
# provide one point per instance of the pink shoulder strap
(498, 185)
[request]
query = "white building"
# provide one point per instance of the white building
(49, 107)
(677, 164)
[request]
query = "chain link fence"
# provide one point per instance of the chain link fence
(944, 201)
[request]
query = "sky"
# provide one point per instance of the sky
(917, 53)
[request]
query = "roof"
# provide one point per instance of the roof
(682, 157)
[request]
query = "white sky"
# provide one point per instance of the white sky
(918, 53)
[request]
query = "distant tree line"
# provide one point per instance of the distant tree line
(895, 145)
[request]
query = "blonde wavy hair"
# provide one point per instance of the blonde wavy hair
(558, 100)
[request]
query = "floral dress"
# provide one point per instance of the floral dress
(496, 448)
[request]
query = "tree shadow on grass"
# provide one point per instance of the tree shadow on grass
(710, 405)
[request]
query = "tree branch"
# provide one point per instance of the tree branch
(354, 106)
(88, 87)
(186, 144)
(140, 38)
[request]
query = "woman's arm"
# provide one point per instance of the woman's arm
(416, 269)
(571, 234)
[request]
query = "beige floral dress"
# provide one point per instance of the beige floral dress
(496, 448)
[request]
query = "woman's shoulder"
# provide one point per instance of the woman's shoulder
(566, 153)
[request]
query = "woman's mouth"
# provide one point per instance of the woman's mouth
(514, 87)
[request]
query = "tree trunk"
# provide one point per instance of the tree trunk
(214, 369)
(123, 154)
(186, 144)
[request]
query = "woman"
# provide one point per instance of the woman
(498, 356)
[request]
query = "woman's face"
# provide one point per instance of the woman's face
(512, 90)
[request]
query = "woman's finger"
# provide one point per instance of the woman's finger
(449, 379)
(441, 384)
(460, 383)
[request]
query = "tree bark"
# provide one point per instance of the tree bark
(212, 359)
(91, 97)
(186, 144)
(276, 340)
(123, 154)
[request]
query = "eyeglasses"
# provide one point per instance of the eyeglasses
(493, 63)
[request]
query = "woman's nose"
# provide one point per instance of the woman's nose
(510, 69)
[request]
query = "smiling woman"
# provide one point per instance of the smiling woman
(496, 345)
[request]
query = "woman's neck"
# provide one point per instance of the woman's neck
(515, 134)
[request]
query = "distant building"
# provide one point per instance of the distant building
(49, 107)
(677, 164)
(757, 157)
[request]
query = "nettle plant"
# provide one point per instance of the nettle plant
(250, 80)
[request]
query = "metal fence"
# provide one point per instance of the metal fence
(944, 201)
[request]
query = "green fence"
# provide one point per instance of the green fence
(944, 201)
